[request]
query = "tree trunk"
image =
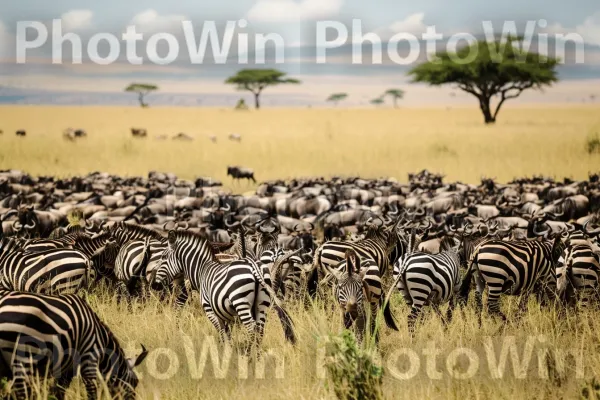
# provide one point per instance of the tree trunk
(141, 99)
(395, 102)
(484, 105)
(257, 100)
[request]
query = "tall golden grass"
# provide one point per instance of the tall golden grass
(283, 143)
(292, 143)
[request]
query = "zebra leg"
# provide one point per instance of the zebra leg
(182, 297)
(60, 386)
(374, 309)
(89, 370)
(415, 312)
(262, 307)
(450, 311)
(122, 292)
(218, 324)
(244, 312)
(494, 293)
(523, 305)
(20, 388)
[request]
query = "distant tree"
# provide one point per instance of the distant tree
(335, 98)
(378, 101)
(395, 94)
(142, 89)
(503, 74)
(241, 105)
(256, 80)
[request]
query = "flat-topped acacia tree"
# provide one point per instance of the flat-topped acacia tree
(256, 80)
(142, 89)
(489, 70)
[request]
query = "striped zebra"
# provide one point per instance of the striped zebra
(513, 268)
(51, 271)
(63, 337)
(577, 273)
(429, 279)
(64, 242)
(378, 245)
(358, 281)
(123, 233)
(228, 291)
(290, 275)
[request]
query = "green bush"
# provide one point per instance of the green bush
(592, 144)
(352, 371)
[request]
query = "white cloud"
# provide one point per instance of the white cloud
(589, 30)
(290, 10)
(150, 21)
(76, 20)
(413, 24)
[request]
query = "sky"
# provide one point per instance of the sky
(39, 80)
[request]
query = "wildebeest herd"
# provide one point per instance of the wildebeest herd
(357, 239)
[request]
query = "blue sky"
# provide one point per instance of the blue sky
(292, 19)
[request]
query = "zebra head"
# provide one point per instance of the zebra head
(350, 290)
(123, 379)
(168, 266)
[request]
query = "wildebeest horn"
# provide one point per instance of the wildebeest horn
(30, 227)
(17, 226)
(186, 227)
(591, 233)
(8, 214)
(228, 207)
(540, 233)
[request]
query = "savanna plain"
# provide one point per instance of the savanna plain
(547, 353)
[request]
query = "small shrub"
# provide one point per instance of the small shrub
(591, 390)
(352, 370)
(592, 144)
(442, 149)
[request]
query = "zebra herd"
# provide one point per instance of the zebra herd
(353, 242)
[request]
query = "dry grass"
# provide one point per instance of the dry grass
(286, 143)
(292, 143)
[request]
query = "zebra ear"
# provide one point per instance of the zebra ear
(134, 362)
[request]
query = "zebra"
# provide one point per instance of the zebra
(578, 272)
(61, 336)
(51, 271)
(425, 278)
(289, 275)
(378, 245)
(513, 268)
(359, 279)
(102, 250)
(229, 290)
(124, 233)
(64, 242)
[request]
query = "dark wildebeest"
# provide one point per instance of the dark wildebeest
(241, 173)
(139, 132)
(21, 132)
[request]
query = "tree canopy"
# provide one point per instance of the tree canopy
(142, 89)
(335, 98)
(378, 101)
(256, 80)
(395, 94)
(489, 70)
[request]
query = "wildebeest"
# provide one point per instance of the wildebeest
(183, 136)
(241, 173)
(235, 137)
(21, 132)
(139, 132)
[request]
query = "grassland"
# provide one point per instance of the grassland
(291, 143)
(283, 143)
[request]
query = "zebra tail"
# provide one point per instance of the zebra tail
(387, 314)
(287, 324)
(465, 286)
(243, 241)
(312, 284)
(145, 258)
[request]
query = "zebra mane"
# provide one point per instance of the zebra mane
(196, 238)
(138, 229)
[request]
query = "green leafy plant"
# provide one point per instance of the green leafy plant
(352, 370)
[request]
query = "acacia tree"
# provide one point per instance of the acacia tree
(395, 94)
(378, 101)
(489, 70)
(337, 97)
(142, 89)
(256, 80)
